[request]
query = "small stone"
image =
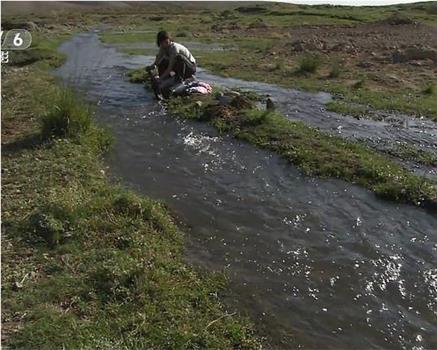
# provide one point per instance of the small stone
(17, 285)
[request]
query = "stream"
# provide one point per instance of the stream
(316, 263)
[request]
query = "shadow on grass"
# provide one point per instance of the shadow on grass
(28, 142)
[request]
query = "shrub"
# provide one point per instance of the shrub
(429, 89)
(156, 18)
(48, 227)
(253, 117)
(129, 203)
(309, 64)
(226, 13)
(67, 117)
(399, 19)
(251, 9)
(99, 139)
(182, 34)
(359, 84)
(115, 275)
(278, 66)
(335, 71)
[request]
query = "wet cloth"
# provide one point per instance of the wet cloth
(173, 86)
(199, 87)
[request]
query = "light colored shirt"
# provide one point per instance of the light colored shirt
(172, 51)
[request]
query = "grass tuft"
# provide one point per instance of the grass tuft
(309, 64)
(67, 117)
(358, 84)
(429, 89)
(48, 227)
(335, 71)
(137, 76)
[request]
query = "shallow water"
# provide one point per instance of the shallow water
(388, 134)
(316, 263)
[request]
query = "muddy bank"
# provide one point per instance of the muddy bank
(319, 263)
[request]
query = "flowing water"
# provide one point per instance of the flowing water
(388, 134)
(316, 263)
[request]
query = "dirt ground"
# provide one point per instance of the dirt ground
(406, 53)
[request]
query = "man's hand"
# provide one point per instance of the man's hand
(149, 68)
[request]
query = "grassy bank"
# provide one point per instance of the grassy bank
(315, 152)
(356, 93)
(357, 97)
(353, 47)
(274, 44)
(87, 264)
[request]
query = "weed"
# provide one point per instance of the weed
(429, 89)
(137, 76)
(335, 71)
(130, 204)
(46, 226)
(66, 116)
(278, 66)
(156, 18)
(355, 110)
(309, 64)
(358, 84)
(182, 34)
(409, 152)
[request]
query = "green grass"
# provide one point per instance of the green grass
(254, 59)
(88, 264)
(335, 71)
(339, 106)
(136, 52)
(113, 273)
(316, 153)
(138, 75)
(408, 152)
(309, 64)
(127, 37)
(41, 51)
(66, 117)
(231, 64)
(429, 89)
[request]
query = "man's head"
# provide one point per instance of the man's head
(163, 39)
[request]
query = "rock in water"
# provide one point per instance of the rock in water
(270, 106)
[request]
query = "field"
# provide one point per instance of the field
(76, 246)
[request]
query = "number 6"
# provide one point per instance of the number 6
(17, 40)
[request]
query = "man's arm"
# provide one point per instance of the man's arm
(158, 59)
(172, 61)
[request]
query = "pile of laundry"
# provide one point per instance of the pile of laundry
(198, 87)
(175, 87)
(189, 87)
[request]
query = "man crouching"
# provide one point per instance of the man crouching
(174, 61)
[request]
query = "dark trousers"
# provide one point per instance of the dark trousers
(183, 67)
